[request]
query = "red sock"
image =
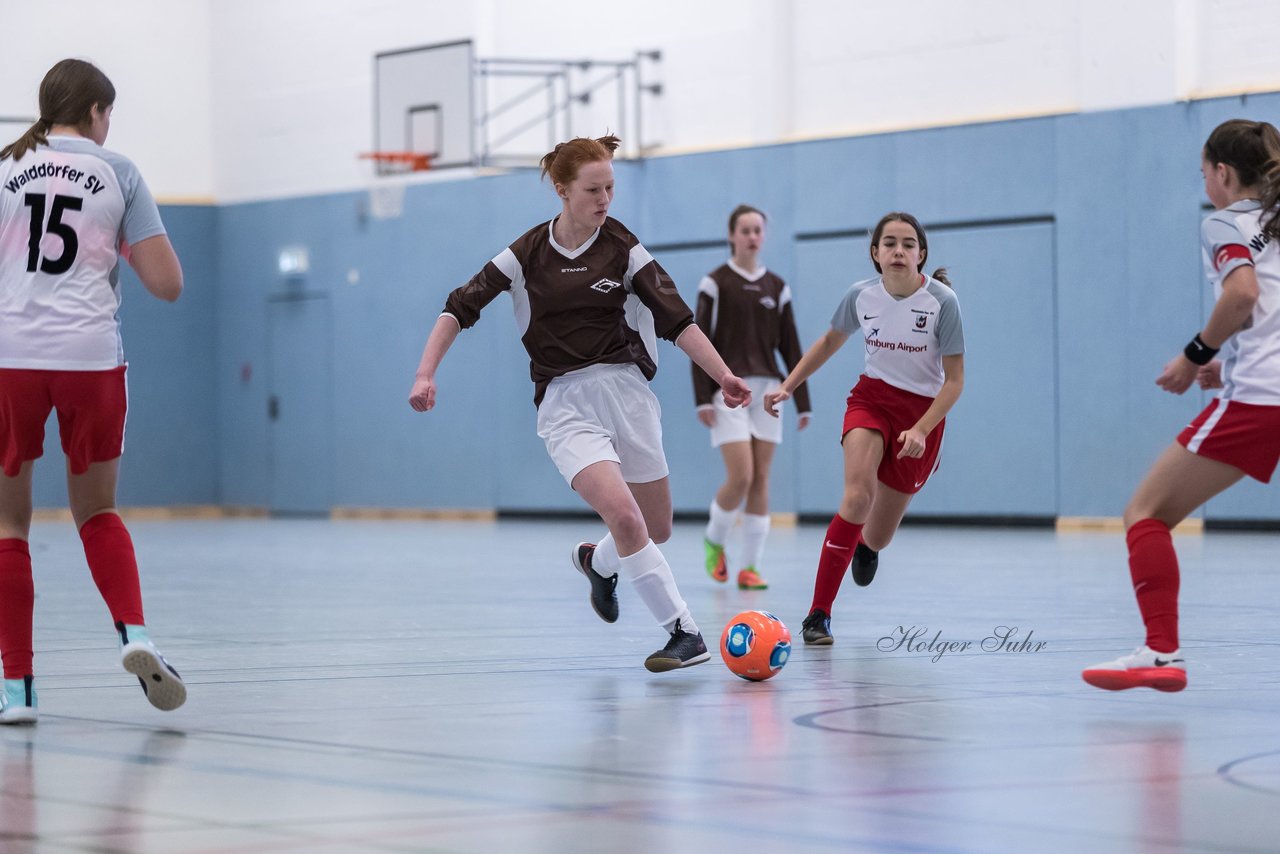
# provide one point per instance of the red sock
(17, 604)
(833, 562)
(1153, 565)
(109, 550)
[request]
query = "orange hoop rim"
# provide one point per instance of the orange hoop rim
(417, 161)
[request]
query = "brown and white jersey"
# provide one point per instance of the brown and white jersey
(749, 319)
(606, 302)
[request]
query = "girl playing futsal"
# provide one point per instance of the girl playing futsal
(896, 413)
(590, 302)
(68, 210)
(1239, 433)
(746, 311)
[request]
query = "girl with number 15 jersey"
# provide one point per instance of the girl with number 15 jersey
(68, 210)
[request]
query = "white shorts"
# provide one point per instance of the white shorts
(603, 412)
(747, 422)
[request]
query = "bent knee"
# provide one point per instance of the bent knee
(628, 527)
(660, 532)
(856, 502)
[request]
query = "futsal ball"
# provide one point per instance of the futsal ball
(755, 645)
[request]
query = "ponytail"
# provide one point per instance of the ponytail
(68, 93)
(563, 162)
(941, 275)
(1270, 181)
(37, 134)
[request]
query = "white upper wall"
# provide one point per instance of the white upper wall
(250, 99)
(156, 53)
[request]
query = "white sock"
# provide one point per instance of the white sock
(755, 529)
(721, 523)
(605, 559)
(651, 576)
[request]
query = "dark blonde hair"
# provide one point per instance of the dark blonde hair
(563, 162)
(899, 216)
(739, 211)
(69, 92)
(1253, 150)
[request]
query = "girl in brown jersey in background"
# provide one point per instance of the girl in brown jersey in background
(745, 309)
(590, 302)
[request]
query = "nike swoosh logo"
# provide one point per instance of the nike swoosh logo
(1162, 663)
(870, 316)
(920, 484)
(832, 545)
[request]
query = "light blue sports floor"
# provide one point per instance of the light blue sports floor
(445, 687)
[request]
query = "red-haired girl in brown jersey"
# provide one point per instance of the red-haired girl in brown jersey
(745, 309)
(590, 303)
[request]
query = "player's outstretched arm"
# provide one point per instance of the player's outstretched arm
(422, 397)
(816, 356)
(157, 267)
(695, 343)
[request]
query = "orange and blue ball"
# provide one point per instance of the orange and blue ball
(755, 645)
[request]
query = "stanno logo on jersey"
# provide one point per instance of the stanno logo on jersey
(769, 303)
(573, 269)
(605, 285)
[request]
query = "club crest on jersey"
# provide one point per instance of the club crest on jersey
(769, 302)
(921, 321)
(604, 286)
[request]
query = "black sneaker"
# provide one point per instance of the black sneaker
(683, 650)
(817, 628)
(604, 595)
(864, 565)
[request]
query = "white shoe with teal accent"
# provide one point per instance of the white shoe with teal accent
(18, 702)
(160, 682)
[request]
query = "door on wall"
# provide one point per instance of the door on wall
(300, 404)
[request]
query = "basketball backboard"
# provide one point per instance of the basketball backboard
(423, 102)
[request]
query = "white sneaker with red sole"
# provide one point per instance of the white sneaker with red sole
(1144, 668)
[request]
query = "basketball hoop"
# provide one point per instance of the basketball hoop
(386, 193)
(399, 161)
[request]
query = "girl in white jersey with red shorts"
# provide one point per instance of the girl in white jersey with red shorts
(745, 309)
(1239, 433)
(68, 208)
(590, 303)
(893, 424)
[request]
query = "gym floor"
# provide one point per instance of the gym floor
(446, 687)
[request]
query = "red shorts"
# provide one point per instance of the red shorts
(887, 409)
(1244, 435)
(91, 409)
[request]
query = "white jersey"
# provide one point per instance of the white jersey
(906, 337)
(65, 210)
(1231, 238)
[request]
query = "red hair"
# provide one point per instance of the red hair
(563, 162)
